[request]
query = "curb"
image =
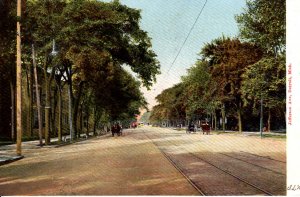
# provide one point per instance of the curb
(80, 140)
(5, 159)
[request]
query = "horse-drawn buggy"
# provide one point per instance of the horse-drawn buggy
(191, 128)
(205, 128)
(116, 129)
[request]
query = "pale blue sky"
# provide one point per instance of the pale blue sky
(168, 23)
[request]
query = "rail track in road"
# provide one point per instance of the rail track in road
(251, 163)
(195, 183)
(263, 157)
(177, 167)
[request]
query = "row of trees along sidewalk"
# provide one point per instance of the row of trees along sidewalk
(84, 78)
(234, 75)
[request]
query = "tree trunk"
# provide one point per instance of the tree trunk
(38, 100)
(70, 111)
(87, 123)
(53, 112)
(269, 120)
(215, 115)
(12, 94)
(28, 101)
(76, 106)
(31, 101)
(223, 117)
(59, 132)
(81, 118)
(95, 121)
(239, 119)
(212, 121)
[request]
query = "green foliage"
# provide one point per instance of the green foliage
(94, 39)
(81, 27)
(227, 60)
(172, 104)
(119, 94)
(228, 72)
(196, 83)
(8, 36)
(111, 29)
(7, 62)
(264, 24)
(265, 79)
(233, 75)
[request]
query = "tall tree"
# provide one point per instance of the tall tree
(171, 107)
(41, 25)
(264, 23)
(266, 80)
(196, 85)
(7, 68)
(228, 58)
(92, 37)
(111, 30)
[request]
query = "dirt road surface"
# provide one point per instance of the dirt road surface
(133, 164)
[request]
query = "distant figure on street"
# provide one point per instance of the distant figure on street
(190, 128)
(133, 125)
(119, 129)
(113, 130)
(116, 129)
(205, 128)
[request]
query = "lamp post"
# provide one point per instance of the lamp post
(54, 52)
(48, 102)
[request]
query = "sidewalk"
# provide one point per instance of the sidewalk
(5, 159)
(245, 133)
(8, 152)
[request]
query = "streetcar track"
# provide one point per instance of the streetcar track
(181, 171)
(204, 160)
(263, 156)
(227, 172)
(253, 164)
(176, 166)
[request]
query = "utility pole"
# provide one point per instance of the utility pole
(19, 82)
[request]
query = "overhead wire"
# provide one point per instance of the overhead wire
(188, 35)
(185, 40)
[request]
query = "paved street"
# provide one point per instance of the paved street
(134, 164)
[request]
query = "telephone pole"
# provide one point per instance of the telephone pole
(19, 82)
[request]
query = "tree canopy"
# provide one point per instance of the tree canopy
(233, 74)
(94, 40)
(264, 23)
